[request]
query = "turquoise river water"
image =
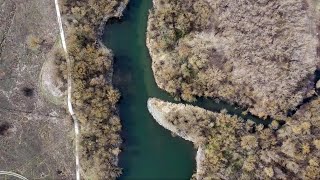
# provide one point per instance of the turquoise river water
(149, 151)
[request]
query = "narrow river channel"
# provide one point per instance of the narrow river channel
(149, 151)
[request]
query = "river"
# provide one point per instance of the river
(149, 151)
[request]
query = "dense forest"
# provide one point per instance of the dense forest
(93, 97)
(261, 55)
(238, 149)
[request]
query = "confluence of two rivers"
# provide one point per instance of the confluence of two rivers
(149, 150)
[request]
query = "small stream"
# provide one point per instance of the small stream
(149, 151)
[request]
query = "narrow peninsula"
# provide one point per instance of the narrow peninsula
(231, 148)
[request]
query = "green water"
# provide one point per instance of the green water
(149, 151)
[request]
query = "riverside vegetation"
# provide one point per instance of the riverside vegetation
(261, 55)
(236, 149)
(94, 98)
(182, 27)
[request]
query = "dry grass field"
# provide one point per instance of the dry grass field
(35, 135)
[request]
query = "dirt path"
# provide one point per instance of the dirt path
(69, 91)
(9, 173)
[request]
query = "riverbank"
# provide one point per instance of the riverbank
(153, 105)
(192, 124)
(201, 49)
(160, 118)
(143, 155)
(148, 150)
(232, 148)
(93, 96)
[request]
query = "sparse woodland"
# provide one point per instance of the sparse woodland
(94, 98)
(261, 55)
(238, 149)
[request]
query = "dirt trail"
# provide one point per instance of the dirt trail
(9, 173)
(69, 91)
